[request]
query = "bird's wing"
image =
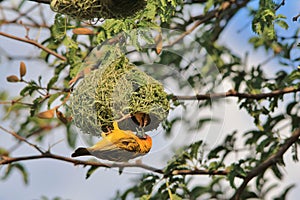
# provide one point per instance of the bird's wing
(114, 143)
(119, 155)
(119, 145)
(123, 150)
(129, 144)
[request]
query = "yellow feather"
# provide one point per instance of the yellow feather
(118, 145)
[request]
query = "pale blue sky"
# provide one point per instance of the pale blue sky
(55, 178)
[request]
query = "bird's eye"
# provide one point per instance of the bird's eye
(125, 142)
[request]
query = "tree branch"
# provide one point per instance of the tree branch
(296, 17)
(267, 163)
(281, 4)
(208, 16)
(262, 167)
(4, 160)
(200, 172)
(8, 160)
(35, 44)
(233, 93)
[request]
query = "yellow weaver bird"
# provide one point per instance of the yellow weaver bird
(117, 145)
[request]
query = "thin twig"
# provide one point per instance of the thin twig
(206, 17)
(39, 26)
(296, 17)
(21, 139)
(267, 60)
(281, 4)
(267, 163)
(203, 18)
(201, 172)
(197, 23)
(22, 14)
(15, 102)
(233, 93)
(35, 44)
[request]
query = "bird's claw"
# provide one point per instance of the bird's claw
(140, 133)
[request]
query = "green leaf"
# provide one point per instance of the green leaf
(208, 5)
(3, 95)
(215, 152)
(44, 198)
(256, 41)
(235, 171)
(213, 166)
(195, 149)
(295, 152)
(91, 170)
(71, 136)
(263, 144)
(249, 195)
(23, 171)
(202, 122)
(52, 98)
(20, 168)
(286, 191)
(267, 15)
(101, 37)
(52, 81)
(280, 16)
(175, 197)
(145, 197)
(163, 3)
(68, 42)
(29, 89)
(282, 24)
(3, 152)
(295, 75)
(276, 171)
(198, 191)
(58, 29)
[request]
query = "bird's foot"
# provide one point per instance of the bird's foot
(140, 133)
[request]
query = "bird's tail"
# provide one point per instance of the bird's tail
(81, 151)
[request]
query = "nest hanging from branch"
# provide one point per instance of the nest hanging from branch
(116, 90)
(90, 9)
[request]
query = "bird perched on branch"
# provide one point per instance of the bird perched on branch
(117, 145)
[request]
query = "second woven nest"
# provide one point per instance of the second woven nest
(116, 90)
(90, 9)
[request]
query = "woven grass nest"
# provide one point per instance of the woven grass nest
(90, 9)
(115, 90)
